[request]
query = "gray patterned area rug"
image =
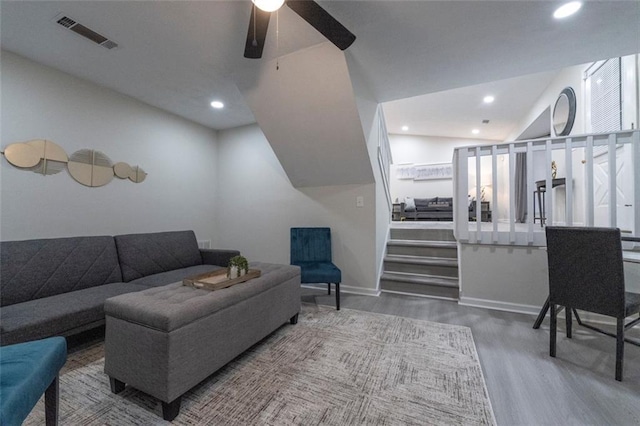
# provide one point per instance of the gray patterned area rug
(332, 368)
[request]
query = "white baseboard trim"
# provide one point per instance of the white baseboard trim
(360, 291)
(499, 306)
(588, 317)
(346, 289)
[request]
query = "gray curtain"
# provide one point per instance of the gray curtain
(521, 187)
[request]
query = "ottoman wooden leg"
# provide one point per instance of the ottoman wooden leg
(294, 319)
(116, 385)
(171, 409)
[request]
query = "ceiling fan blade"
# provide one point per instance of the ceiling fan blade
(257, 33)
(326, 24)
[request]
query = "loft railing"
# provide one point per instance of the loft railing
(601, 171)
(384, 155)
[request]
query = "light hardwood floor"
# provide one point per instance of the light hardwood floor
(526, 385)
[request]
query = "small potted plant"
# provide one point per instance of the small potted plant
(238, 266)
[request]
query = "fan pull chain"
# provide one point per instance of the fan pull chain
(277, 40)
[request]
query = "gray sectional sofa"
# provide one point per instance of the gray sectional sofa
(438, 208)
(58, 286)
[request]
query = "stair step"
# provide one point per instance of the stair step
(420, 260)
(421, 265)
(420, 279)
(421, 234)
(422, 290)
(448, 249)
(423, 243)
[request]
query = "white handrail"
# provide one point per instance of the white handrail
(385, 158)
(578, 199)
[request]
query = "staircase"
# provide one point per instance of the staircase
(421, 261)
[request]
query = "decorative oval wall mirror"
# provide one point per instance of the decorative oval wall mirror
(564, 112)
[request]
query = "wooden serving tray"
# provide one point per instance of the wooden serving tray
(218, 280)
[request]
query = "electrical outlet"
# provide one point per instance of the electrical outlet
(359, 201)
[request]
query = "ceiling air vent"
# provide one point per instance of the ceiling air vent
(85, 32)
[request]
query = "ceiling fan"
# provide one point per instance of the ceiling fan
(308, 10)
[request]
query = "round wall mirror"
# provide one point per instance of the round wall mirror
(564, 112)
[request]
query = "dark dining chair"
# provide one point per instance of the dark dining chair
(586, 273)
(311, 251)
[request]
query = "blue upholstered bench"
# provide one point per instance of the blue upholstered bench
(27, 370)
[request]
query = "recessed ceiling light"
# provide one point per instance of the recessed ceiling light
(567, 9)
(405, 128)
(217, 104)
(488, 99)
(475, 131)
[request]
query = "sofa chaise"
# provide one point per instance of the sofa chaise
(58, 286)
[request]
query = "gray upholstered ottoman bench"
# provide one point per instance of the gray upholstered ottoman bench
(165, 340)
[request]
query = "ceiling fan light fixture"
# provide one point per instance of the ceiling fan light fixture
(268, 5)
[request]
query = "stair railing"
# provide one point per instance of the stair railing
(489, 162)
(385, 158)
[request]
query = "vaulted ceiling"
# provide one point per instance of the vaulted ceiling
(179, 55)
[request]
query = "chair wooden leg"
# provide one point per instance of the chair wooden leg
(552, 334)
(619, 348)
(568, 321)
(338, 296)
(329, 288)
(51, 406)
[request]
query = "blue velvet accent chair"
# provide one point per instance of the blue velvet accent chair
(311, 251)
(28, 370)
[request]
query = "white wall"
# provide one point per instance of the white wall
(503, 277)
(178, 155)
(306, 108)
(568, 77)
(514, 278)
(370, 119)
(424, 150)
(257, 205)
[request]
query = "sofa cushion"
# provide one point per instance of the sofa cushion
(146, 254)
(58, 314)
(422, 203)
(409, 204)
(35, 269)
(164, 278)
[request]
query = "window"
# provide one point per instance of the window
(604, 96)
